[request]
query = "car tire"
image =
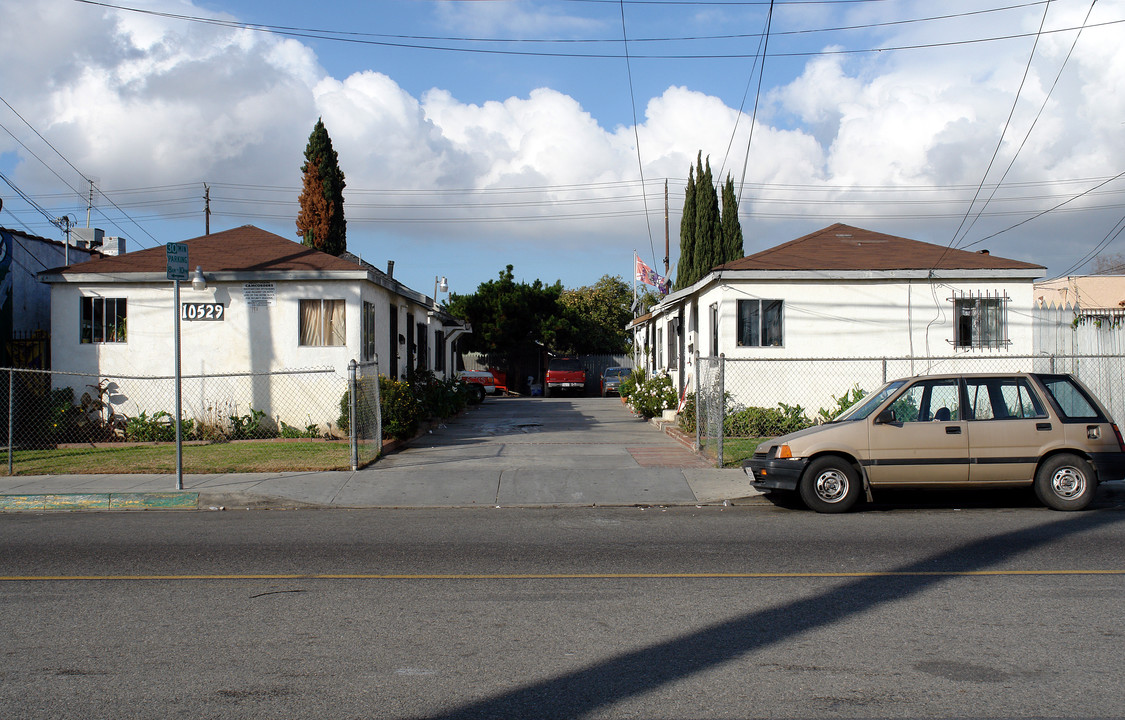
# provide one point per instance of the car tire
(478, 395)
(1065, 482)
(546, 391)
(830, 485)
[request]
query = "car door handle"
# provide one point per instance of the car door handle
(1043, 426)
(953, 430)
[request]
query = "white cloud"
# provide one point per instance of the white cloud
(137, 100)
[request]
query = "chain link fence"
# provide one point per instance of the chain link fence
(740, 401)
(365, 408)
(49, 413)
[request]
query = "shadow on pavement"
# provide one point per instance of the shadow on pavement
(578, 693)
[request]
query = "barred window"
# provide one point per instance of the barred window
(321, 323)
(102, 320)
(980, 321)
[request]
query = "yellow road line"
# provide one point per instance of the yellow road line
(557, 576)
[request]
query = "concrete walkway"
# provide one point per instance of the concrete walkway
(507, 452)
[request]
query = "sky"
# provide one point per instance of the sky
(541, 133)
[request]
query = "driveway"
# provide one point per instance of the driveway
(547, 451)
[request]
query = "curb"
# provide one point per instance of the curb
(100, 501)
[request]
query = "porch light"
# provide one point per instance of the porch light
(198, 282)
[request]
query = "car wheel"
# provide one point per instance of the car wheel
(546, 391)
(478, 395)
(830, 485)
(1065, 482)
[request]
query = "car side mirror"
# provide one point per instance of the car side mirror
(887, 417)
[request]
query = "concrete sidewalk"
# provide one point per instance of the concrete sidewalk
(378, 489)
(581, 452)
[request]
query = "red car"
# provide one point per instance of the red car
(564, 374)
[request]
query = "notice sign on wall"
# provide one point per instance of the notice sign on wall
(259, 294)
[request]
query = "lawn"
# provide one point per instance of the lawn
(735, 450)
(232, 457)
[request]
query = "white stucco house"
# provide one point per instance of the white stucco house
(269, 304)
(842, 292)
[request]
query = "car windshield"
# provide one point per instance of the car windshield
(867, 405)
(616, 372)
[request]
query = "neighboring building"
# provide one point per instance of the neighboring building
(25, 303)
(844, 292)
(1089, 292)
(270, 304)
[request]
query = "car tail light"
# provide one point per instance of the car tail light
(1117, 432)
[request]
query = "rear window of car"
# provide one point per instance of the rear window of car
(1070, 398)
(564, 365)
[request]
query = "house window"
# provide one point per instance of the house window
(673, 343)
(321, 322)
(980, 322)
(423, 347)
(759, 323)
(368, 332)
(439, 351)
(102, 320)
(715, 330)
(657, 347)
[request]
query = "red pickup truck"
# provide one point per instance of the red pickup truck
(564, 374)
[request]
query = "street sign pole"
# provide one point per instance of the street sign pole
(179, 413)
(177, 256)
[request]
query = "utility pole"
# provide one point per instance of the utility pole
(90, 203)
(206, 209)
(665, 227)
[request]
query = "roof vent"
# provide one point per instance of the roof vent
(985, 252)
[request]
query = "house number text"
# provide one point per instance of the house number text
(201, 311)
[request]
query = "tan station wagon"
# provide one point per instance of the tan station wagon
(983, 430)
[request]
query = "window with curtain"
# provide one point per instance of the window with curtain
(102, 320)
(322, 323)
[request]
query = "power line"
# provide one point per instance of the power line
(335, 36)
(636, 132)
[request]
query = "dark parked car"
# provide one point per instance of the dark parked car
(611, 379)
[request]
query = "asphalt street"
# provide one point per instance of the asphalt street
(640, 612)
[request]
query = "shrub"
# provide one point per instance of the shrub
(843, 402)
(630, 384)
(401, 410)
(687, 417)
(765, 422)
(654, 396)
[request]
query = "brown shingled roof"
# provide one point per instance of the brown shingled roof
(243, 248)
(843, 247)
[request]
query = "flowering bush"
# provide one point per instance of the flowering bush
(653, 396)
(630, 383)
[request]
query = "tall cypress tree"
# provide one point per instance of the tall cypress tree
(708, 230)
(732, 228)
(685, 269)
(320, 222)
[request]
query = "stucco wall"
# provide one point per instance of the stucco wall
(253, 337)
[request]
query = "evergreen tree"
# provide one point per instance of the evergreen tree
(708, 230)
(320, 222)
(732, 228)
(685, 269)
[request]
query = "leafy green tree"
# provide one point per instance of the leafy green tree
(731, 227)
(320, 221)
(685, 268)
(600, 313)
(509, 318)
